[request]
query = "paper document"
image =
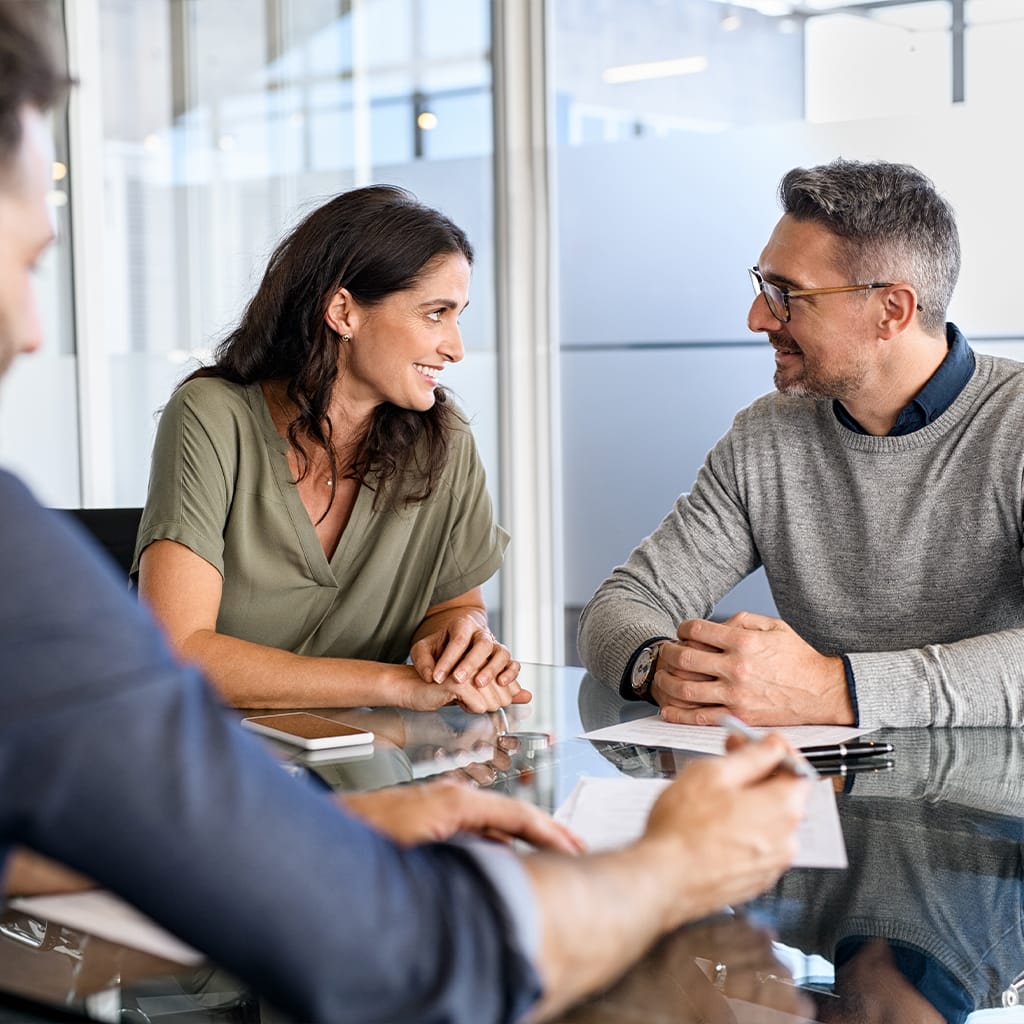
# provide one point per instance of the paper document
(710, 739)
(608, 813)
(103, 914)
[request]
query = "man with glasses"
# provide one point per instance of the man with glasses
(880, 487)
(118, 760)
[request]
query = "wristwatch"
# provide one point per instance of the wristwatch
(645, 664)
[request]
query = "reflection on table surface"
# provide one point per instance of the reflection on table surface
(926, 925)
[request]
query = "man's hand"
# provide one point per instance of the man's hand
(727, 827)
(29, 874)
(434, 811)
(721, 833)
(754, 667)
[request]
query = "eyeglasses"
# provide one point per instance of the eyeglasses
(778, 297)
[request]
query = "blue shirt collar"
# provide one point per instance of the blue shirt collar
(935, 397)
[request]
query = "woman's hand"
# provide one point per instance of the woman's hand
(465, 651)
(419, 695)
(453, 645)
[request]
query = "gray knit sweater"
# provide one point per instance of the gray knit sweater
(904, 553)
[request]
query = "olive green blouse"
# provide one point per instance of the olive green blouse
(221, 485)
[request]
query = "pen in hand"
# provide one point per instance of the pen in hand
(796, 765)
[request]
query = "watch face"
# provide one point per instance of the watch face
(642, 668)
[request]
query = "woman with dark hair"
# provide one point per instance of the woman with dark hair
(317, 511)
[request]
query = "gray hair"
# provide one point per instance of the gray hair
(891, 225)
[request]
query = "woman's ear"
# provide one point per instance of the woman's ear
(342, 312)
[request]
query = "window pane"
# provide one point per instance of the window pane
(675, 122)
(39, 393)
(910, 54)
(216, 141)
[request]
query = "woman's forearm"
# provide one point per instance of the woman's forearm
(251, 675)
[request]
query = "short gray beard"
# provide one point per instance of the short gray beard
(813, 385)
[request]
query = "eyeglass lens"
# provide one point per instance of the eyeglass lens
(773, 296)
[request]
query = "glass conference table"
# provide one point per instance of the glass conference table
(926, 925)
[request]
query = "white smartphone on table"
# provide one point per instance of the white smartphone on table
(308, 731)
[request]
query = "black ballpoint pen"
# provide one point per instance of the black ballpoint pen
(846, 751)
(864, 766)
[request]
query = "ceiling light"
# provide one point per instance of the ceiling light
(769, 8)
(655, 69)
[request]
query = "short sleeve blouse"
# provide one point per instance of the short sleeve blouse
(221, 485)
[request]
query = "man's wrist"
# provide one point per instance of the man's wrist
(640, 669)
(851, 688)
(665, 858)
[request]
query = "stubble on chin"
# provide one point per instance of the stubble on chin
(808, 386)
(786, 384)
(796, 388)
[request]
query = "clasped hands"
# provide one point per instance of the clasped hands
(752, 666)
(465, 664)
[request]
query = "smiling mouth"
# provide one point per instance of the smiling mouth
(783, 345)
(430, 372)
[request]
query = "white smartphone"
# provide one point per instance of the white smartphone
(311, 732)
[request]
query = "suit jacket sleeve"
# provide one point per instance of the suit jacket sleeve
(118, 761)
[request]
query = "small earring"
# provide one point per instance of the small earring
(346, 337)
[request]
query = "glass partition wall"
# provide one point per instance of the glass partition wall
(201, 129)
(39, 395)
(204, 130)
(675, 120)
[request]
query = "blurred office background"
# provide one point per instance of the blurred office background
(615, 164)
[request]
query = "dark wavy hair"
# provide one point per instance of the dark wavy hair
(32, 72)
(374, 242)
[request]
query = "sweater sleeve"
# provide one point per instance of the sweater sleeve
(701, 550)
(977, 681)
(118, 761)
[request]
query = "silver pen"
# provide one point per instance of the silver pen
(796, 765)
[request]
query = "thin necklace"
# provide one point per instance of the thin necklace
(328, 480)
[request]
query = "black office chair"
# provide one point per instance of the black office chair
(114, 528)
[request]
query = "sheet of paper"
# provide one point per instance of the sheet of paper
(101, 913)
(710, 739)
(608, 813)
